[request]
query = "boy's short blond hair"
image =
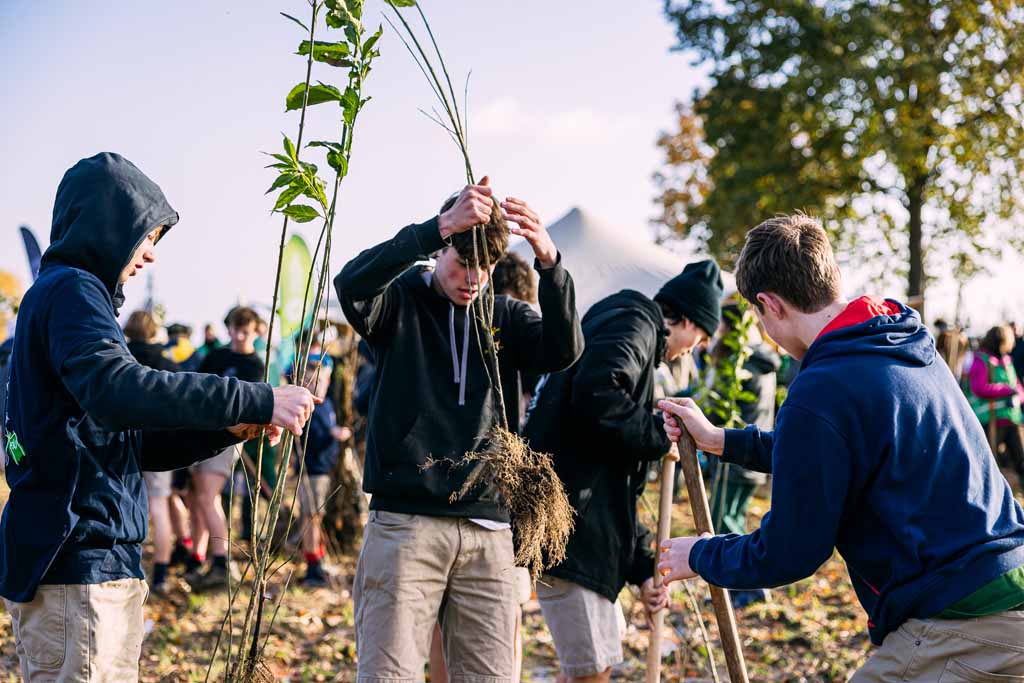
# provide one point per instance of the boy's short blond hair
(789, 256)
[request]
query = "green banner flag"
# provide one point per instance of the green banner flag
(295, 268)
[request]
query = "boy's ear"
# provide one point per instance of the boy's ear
(772, 303)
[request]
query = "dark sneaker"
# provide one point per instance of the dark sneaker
(315, 577)
(745, 598)
(194, 576)
(214, 579)
(180, 556)
(160, 589)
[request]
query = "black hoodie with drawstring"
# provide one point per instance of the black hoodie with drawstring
(84, 418)
(432, 398)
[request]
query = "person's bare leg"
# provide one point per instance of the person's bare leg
(200, 534)
(208, 487)
(179, 516)
(312, 535)
(160, 516)
(438, 668)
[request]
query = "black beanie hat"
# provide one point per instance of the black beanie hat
(696, 294)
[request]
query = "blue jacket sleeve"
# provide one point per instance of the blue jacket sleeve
(812, 465)
(749, 448)
(363, 285)
(164, 450)
(87, 349)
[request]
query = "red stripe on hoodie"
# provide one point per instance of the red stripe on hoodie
(861, 310)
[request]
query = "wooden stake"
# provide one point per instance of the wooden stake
(993, 428)
(719, 596)
(668, 476)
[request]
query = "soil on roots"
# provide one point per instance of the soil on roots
(541, 513)
(255, 672)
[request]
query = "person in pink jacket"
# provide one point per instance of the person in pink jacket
(994, 386)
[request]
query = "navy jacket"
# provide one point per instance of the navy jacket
(88, 417)
(320, 448)
(877, 454)
(597, 421)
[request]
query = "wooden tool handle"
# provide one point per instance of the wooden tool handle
(719, 596)
(993, 428)
(668, 475)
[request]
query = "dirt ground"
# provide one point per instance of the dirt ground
(813, 630)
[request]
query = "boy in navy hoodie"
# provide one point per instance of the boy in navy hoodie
(876, 454)
(85, 419)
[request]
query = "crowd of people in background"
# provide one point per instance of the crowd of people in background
(989, 369)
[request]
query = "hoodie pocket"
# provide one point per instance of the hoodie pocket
(110, 496)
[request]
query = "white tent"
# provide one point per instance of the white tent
(603, 260)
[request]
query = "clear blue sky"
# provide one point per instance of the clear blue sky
(566, 101)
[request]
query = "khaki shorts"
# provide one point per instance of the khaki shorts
(983, 650)
(313, 492)
(158, 484)
(415, 570)
(88, 633)
(221, 464)
(586, 627)
(524, 587)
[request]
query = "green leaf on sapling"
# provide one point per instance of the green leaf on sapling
(300, 213)
(288, 16)
(318, 94)
(350, 104)
(336, 146)
(287, 197)
(372, 40)
(326, 52)
(286, 161)
(289, 148)
(337, 161)
(281, 181)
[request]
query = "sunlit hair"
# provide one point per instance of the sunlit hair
(789, 256)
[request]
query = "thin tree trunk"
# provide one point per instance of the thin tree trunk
(916, 275)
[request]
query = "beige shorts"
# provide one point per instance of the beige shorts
(524, 587)
(313, 492)
(221, 464)
(978, 650)
(158, 484)
(88, 633)
(586, 627)
(415, 570)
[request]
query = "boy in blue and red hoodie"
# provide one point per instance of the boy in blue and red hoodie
(877, 454)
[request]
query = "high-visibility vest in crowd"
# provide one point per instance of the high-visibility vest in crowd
(1000, 371)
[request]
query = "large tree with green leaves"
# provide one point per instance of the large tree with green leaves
(901, 124)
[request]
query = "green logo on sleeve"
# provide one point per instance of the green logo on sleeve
(14, 448)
